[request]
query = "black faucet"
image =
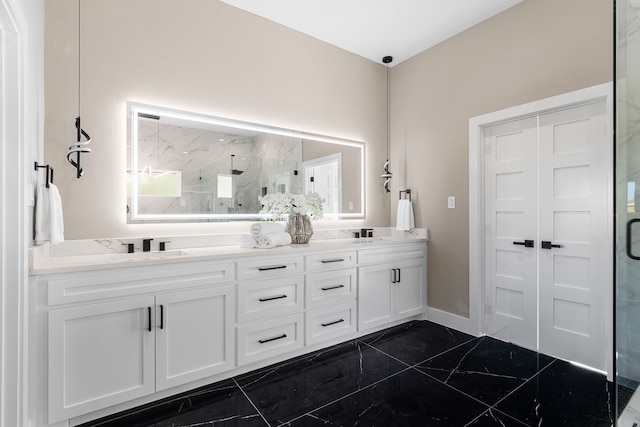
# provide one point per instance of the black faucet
(146, 245)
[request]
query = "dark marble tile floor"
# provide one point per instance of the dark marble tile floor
(416, 374)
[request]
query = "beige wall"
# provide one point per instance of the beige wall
(537, 49)
(202, 56)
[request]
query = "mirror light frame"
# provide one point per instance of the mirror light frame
(134, 109)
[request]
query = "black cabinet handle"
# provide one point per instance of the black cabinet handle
(393, 279)
(328, 288)
(161, 316)
(272, 267)
(272, 339)
(332, 323)
(271, 298)
(629, 229)
(327, 261)
(526, 243)
(398, 275)
(548, 245)
(149, 315)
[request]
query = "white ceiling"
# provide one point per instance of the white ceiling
(377, 28)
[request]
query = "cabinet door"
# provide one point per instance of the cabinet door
(99, 355)
(409, 288)
(195, 334)
(375, 296)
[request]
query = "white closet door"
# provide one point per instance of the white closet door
(510, 219)
(573, 216)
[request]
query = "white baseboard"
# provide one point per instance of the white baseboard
(453, 321)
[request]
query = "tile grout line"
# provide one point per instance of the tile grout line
(251, 401)
(523, 384)
(422, 361)
(345, 396)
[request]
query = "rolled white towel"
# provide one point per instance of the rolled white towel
(271, 240)
(259, 228)
(248, 241)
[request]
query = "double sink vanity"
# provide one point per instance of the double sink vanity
(112, 330)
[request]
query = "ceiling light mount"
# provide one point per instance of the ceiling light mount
(387, 59)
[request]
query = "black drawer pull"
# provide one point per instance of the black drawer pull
(161, 316)
(526, 243)
(332, 323)
(272, 267)
(327, 261)
(149, 315)
(548, 245)
(272, 298)
(272, 339)
(328, 288)
(398, 275)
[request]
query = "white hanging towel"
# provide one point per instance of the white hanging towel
(49, 220)
(404, 220)
(259, 228)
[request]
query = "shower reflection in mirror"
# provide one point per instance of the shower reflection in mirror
(197, 167)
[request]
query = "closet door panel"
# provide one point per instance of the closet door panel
(573, 218)
(510, 220)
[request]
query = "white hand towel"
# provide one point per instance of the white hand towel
(56, 221)
(404, 220)
(259, 228)
(42, 215)
(248, 241)
(271, 240)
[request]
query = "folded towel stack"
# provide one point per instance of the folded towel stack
(265, 235)
(49, 221)
(404, 220)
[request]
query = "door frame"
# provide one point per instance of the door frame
(331, 158)
(476, 198)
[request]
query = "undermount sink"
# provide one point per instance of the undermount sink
(146, 255)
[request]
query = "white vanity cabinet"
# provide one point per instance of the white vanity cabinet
(104, 353)
(113, 338)
(393, 287)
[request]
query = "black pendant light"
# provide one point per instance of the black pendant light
(387, 175)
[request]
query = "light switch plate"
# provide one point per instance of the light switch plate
(451, 202)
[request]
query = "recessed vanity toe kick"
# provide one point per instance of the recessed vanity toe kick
(115, 337)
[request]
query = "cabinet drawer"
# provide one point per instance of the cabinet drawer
(269, 267)
(267, 298)
(100, 284)
(330, 322)
(392, 253)
(269, 338)
(328, 288)
(330, 261)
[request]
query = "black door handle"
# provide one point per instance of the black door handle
(629, 228)
(149, 315)
(548, 245)
(526, 243)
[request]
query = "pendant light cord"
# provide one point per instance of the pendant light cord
(79, 38)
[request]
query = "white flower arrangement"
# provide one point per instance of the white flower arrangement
(279, 204)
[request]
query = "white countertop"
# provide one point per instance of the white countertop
(41, 262)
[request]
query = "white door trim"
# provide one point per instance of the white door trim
(476, 197)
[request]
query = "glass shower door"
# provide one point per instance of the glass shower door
(627, 301)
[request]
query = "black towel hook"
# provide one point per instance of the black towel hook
(49, 176)
(405, 191)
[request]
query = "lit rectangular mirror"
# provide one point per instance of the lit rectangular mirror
(192, 167)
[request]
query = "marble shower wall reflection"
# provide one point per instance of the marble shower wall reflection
(220, 173)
